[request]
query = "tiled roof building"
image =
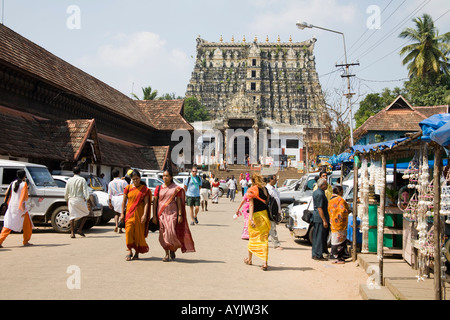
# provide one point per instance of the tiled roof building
(56, 114)
(395, 121)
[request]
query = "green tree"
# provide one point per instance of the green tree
(422, 93)
(427, 56)
(194, 110)
(375, 102)
(169, 96)
(148, 92)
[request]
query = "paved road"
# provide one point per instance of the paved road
(58, 267)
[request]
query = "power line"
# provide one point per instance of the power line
(367, 30)
(442, 15)
(398, 26)
(395, 50)
(367, 80)
(387, 19)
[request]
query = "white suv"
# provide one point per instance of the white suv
(46, 201)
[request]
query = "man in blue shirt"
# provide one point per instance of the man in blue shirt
(192, 188)
(320, 220)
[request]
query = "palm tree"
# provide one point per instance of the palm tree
(149, 94)
(427, 57)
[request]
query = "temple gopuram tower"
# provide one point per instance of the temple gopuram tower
(270, 85)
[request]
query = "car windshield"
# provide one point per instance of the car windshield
(310, 184)
(95, 181)
(41, 177)
(177, 181)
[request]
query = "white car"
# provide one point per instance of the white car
(300, 228)
(295, 224)
(46, 201)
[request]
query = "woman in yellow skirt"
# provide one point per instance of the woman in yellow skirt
(259, 223)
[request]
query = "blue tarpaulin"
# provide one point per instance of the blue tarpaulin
(436, 128)
(338, 159)
(442, 135)
(404, 165)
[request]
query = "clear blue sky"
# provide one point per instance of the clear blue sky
(152, 43)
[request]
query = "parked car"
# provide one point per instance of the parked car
(159, 178)
(223, 188)
(102, 196)
(287, 183)
(302, 229)
(152, 182)
(46, 201)
(303, 188)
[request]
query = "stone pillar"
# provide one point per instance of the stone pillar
(263, 145)
(226, 137)
(254, 151)
(218, 141)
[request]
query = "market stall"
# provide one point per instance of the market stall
(419, 210)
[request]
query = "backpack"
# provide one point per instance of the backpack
(272, 207)
(273, 210)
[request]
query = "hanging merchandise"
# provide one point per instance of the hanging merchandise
(410, 213)
(364, 215)
(424, 208)
(412, 172)
(445, 198)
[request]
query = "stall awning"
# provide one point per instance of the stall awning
(377, 146)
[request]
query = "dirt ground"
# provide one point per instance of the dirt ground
(58, 267)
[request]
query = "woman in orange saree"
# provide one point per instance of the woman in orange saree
(338, 210)
(169, 206)
(137, 199)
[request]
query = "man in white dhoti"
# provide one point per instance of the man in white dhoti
(76, 196)
(115, 193)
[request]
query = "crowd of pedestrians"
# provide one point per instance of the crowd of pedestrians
(138, 210)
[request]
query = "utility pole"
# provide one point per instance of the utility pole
(303, 25)
(349, 94)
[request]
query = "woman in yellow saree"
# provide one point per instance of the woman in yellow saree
(137, 199)
(259, 223)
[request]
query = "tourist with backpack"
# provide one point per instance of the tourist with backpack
(192, 188)
(270, 186)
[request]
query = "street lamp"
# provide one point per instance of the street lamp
(302, 26)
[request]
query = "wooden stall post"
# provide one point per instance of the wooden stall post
(365, 200)
(380, 222)
(355, 206)
(437, 222)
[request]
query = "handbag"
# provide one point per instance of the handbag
(121, 224)
(153, 227)
(307, 214)
(4, 205)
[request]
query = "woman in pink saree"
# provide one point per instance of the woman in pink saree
(170, 209)
(245, 205)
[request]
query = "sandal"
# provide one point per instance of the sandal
(135, 257)
(247, 261)
(264, 268)
(128, 257)
(165, 259)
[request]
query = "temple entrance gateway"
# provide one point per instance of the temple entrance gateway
(242, 140)
(261, 89)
